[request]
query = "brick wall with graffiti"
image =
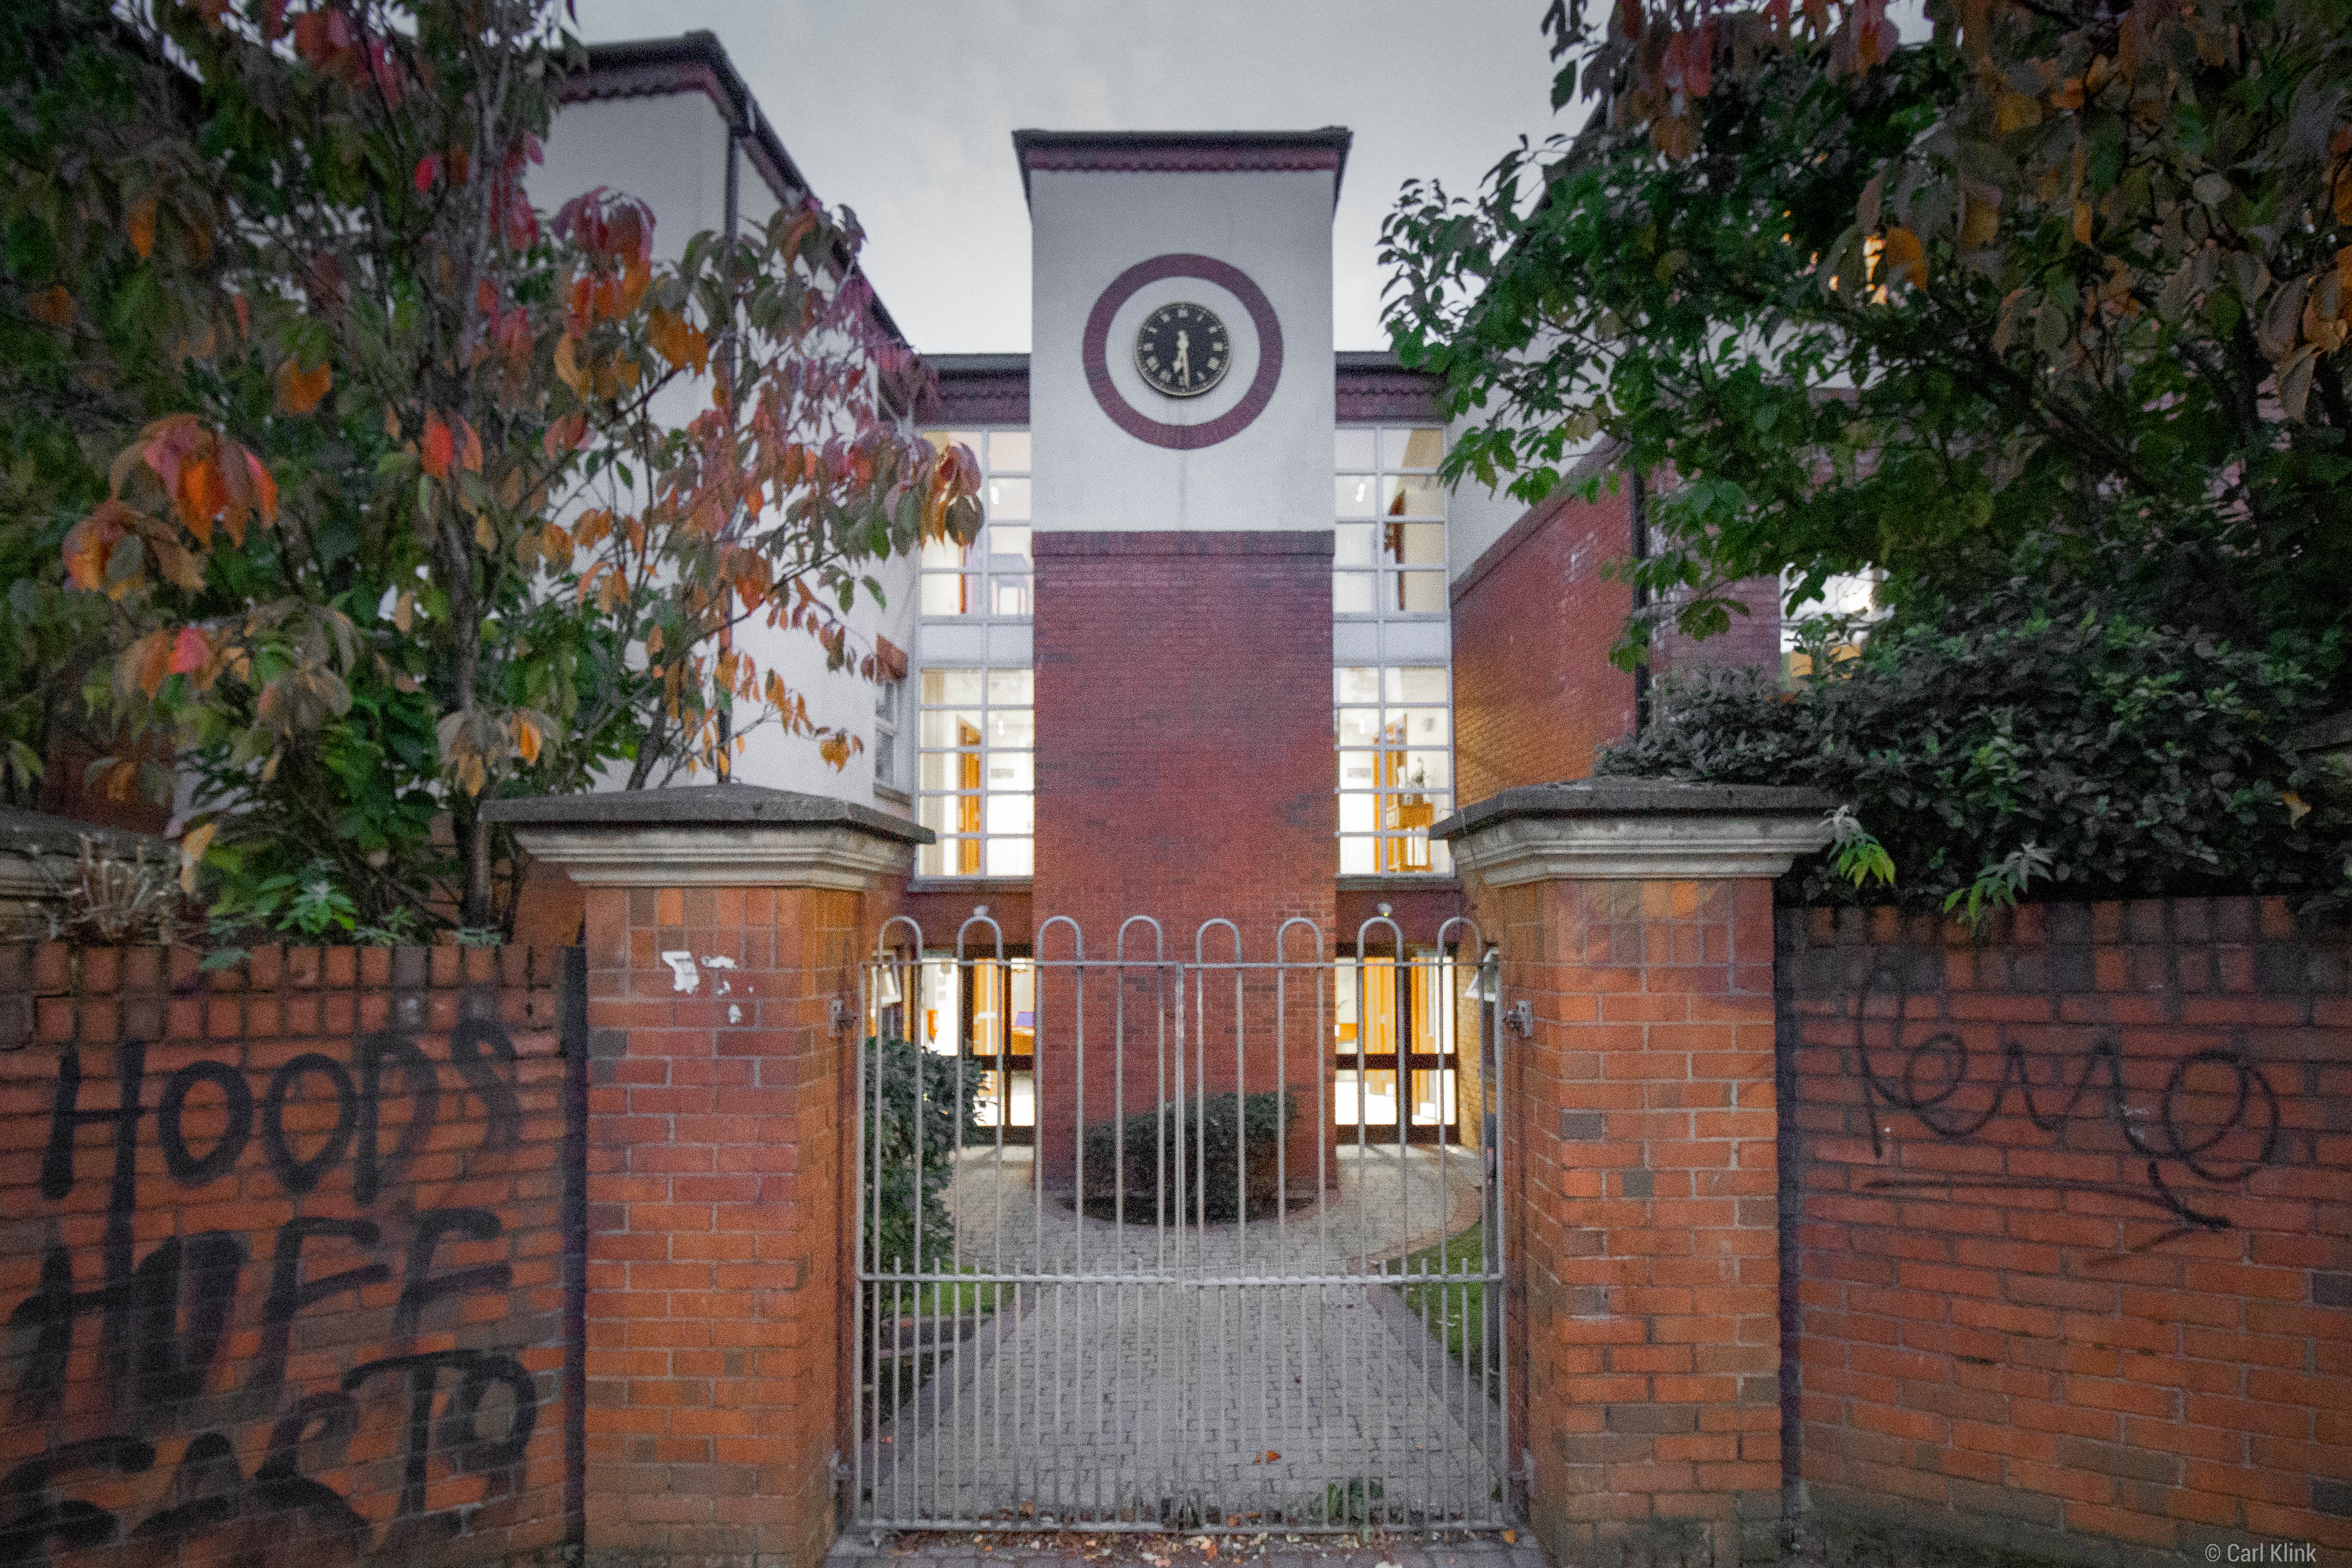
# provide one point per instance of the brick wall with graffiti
(2067, 1222)
(283, 1255)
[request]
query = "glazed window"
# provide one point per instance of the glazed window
(1395, 728)
(988, 578)
(889, 697)
(976, 775)
(1388, 554)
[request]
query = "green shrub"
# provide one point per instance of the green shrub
(2022, 739)
(1145, 1148)
(892, 1127)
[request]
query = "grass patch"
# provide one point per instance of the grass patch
(1454, 1310)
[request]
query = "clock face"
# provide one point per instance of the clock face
(1181, 350)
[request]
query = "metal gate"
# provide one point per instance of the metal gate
(1152, 1243)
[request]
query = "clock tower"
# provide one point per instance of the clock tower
(1182, 408)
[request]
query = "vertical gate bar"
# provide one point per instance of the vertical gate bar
(867, 992)
(1500, 1266)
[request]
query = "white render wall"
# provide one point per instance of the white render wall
(670, 151)
(1087, 227)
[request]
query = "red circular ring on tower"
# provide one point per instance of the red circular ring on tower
(1095, 346)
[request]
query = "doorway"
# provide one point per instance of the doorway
(1393, 1029)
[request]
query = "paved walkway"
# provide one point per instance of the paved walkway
(1272, 1550)
(1218, 1378)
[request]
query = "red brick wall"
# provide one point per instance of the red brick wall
(1186, 762)
(1752, 639)
(1534, 693)
(306, 1302)
(720, 1219)
(1641, 1175)
(2048, 1316)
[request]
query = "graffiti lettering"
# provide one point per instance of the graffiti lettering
(166, 1320)
(2216, 1116)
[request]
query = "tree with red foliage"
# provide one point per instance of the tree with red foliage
(416, 533)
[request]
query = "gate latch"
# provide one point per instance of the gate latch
(1521, 1018)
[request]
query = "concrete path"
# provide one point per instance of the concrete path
(1223, 1377)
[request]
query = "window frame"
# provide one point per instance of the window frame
(1388, 574)
(1429, 802)
(931, 859)
(981, 548)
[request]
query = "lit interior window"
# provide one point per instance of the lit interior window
(1389, 550)
(977, 777)
(991, 576)
(1395, 729)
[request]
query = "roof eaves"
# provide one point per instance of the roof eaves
(1186, 151)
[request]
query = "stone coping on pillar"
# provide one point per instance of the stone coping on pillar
(1618, 829)
(725, 835)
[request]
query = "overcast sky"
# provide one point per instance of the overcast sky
(904, 109)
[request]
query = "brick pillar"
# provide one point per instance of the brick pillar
(1642, 1214)
(724, 927)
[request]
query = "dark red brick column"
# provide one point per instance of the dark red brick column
(724, 929)
(1641, 1177)
(1185, 771)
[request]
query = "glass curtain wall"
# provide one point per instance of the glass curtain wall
(1394, 722)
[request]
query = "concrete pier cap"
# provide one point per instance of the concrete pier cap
(1612, 829)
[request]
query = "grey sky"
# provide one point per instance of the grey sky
(904, 109)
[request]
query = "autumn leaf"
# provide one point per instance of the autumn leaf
(439, 448)
(1905, 259)
(298, 390)
(90, 541)
(679, 341)
(140, 224)
(52, 306)
(567, 367)
(527, 740)
(189, 651)
(428, 169)
(147, 663)
(193, 845)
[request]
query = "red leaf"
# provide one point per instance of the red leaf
(428, 169)
(189, 651)
(440, 446)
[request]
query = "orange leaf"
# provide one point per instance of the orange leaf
(202, 497)
(91, 543)
(1905, 259)
(264, 488)
(298, 390)
(148, 662)
(53, 306)
(140, 222)
(527, 740)
(440, 446)
(472, 447)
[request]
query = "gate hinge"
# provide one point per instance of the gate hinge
(840, 1015)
